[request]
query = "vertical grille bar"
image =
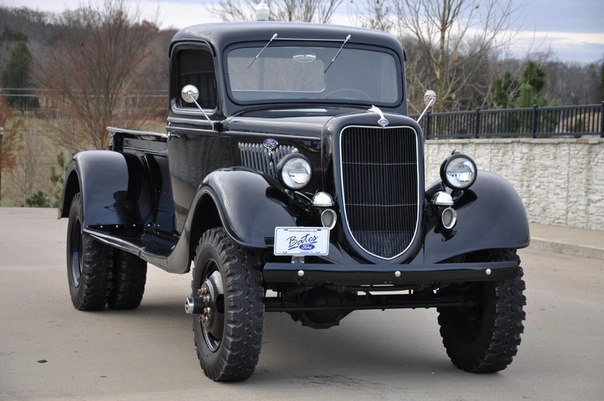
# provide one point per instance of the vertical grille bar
(380, 187)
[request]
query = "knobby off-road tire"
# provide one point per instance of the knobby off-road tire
(89, 264)
(228, 338)
(485, 338)
(129, 276)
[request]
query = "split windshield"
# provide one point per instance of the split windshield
(307, 73)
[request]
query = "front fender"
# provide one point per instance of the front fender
(490, 215)
(101, 177)
(250, 206)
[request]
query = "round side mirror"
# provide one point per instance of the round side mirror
(189, 93)
(429, 98)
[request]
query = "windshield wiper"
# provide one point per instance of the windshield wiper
(337, 54)
(260, 52)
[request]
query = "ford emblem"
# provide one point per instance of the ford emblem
(307, 247)
(270, 144)
(383, 122)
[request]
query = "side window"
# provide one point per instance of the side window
(196, 67)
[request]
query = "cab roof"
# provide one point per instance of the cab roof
(221, 35)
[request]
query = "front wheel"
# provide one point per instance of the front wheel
(484, 335)
(228, 333)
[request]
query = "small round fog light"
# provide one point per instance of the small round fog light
(329, 218)
(449, 218)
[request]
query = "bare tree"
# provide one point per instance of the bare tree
(375, 14)
(30, 173)
(280, 10)
(451, 43)
(92, 70)
(10, 125)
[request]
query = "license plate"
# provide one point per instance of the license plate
(301, 241)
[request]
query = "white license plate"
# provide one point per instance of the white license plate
(301, 241)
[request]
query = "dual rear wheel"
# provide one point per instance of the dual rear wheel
(97, 274)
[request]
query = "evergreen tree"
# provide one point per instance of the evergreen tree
(532, 83)
(505, 90)
(17, 76)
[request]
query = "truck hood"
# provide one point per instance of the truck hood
(295, 122)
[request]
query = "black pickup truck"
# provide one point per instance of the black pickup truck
(292, 178)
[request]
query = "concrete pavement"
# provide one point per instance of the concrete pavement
(568, 241)
(49, 351)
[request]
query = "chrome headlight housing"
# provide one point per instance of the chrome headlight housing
(458, 171)
(294, 171)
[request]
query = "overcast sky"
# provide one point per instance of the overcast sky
(571, 30)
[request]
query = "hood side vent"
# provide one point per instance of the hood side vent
(258, 157)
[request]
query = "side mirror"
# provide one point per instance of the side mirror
(190, 94)
(429, 99)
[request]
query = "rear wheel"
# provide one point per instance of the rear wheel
(228, 333)
(484, 336)
(89, 263)
(129, 276)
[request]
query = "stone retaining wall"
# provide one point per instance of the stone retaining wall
(561, 181)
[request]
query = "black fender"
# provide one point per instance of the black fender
(249, 204)
(104, 181)
(490, 215)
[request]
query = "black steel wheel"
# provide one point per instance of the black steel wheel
(89, 263)
(129, 277)
(483, 336)
(228, 333)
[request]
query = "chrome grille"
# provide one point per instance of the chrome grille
(380, 187)
(257, 157)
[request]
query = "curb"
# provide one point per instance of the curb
(565, 248)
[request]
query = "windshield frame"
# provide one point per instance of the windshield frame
(304, 43)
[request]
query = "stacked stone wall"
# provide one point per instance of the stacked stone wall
(561, 181)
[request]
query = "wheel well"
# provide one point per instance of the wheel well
(72, 187)
(206, 216)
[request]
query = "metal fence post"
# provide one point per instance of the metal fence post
(602, 120)
(1, 157)
(429, 123)
(477, 132)
(534, 121)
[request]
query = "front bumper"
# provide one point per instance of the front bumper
(312, 274)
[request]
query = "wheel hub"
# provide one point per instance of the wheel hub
(204, 293)
(212, 316)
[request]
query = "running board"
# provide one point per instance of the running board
(148, 247)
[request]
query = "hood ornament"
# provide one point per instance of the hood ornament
(383, 121)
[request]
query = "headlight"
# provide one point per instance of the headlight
(458, 171)
(294, 171)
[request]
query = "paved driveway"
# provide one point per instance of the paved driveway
(48, 350)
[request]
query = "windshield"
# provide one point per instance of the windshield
(307, 73)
